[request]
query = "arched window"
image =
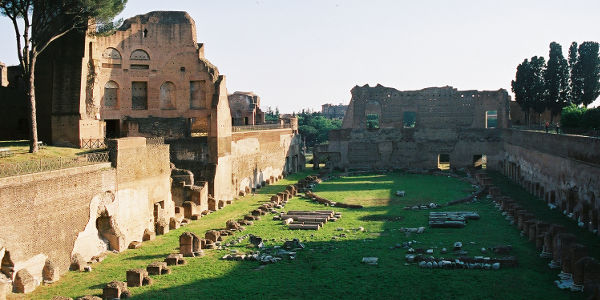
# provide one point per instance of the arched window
(373, 114)
(111, 53)
(111, 94)
(139, 54)
(167, 95)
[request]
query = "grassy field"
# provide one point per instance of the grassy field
(331, 268)
(20, 151)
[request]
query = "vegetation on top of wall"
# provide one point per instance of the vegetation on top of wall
(576, 117)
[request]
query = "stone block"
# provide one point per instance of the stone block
(50, 272)
(173, 223)
(189, 244)
(114, 290)
(189, 209)
(574, 253)
(232, 225)
(148, 235)
(135, 277)
(77, 263)
(157, 268)
(55, 298)
(162, 227)
(89, 297)
(221, 204)
(212, 204)
(212, 235)
(560, 245)
(174, 260)
(24, 282)
(135, 245)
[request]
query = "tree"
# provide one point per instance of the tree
(43, 22)
(575, 85)
(588, 68)
(556, 81)
(528, 85)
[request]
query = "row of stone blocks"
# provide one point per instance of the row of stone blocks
(553, 240)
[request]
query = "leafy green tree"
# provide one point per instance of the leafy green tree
(588, 68)
(528, 85)
(315, 128)
(556, 81)
(272, 116)
(575, 84)
(38, 23)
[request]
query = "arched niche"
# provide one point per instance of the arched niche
(139, 54)
(111, 53)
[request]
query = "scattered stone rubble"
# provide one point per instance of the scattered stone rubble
(267, 255)
(456, 219)
(422, 206)
(314, 197)
(308, 220)
(578, 271)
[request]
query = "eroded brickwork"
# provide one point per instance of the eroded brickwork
(384, 127)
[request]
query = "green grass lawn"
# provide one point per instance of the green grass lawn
(331, 268)
(20, 151)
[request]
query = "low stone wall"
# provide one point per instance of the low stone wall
(52, 216)
(561, 169)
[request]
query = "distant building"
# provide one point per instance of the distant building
(245, 109)
(3, 75)
(333, 111)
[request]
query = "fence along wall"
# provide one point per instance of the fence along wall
(53, 215)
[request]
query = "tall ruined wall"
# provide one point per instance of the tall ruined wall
(258, 155)
(14, 124)
(415, 127)
(43, 213)
(85, 210)
(561, 169)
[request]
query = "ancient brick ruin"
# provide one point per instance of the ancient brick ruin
(245, 109)
(444, 127)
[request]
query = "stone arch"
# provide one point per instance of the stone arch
(111, 53)
(139, 54)
(111, 94)
(167, 95)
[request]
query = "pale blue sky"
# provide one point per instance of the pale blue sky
(299, 54)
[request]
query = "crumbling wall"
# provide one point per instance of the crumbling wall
(85, 210)
(415, 127)
(560, 169)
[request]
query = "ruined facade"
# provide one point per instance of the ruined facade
(149, 78)
(333, 111)
(245, 109)
(443, 127)
(384, 127)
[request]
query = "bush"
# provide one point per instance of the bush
(571, 116)
(580, 117)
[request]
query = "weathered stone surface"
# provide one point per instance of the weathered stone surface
(148, 235)
(136, 277)
(157, 268)
(189, 244)
(114, 290)
(89, 297)
(162, 227)
(50, 272)
(212, 235)
(56, 298)
(24, 282)
(77, 263)
(174, 223)
(174, 260)
(232, 225)
(135, 245)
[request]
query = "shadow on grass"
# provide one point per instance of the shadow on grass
(332, 269)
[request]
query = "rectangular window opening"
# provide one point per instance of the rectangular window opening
(444, 161)
(139, 95)
(409, 119)
(139, 67)
(479, 161)
(372, 121)
(491, 119)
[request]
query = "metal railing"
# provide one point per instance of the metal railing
(93, 143)
(49, 164)
(260, 127)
